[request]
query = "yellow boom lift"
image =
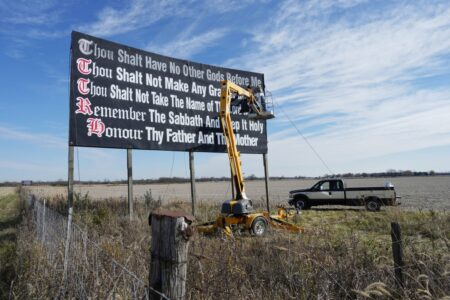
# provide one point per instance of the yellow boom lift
(238, 213)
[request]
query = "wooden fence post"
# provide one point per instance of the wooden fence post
(397, 252)
(169, 253)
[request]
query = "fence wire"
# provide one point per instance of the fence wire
(91, 272)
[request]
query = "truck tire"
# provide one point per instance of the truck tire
(373, 204)
(301, 203)
(259, 226)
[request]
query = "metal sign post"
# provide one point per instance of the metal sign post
(130, 183)
(193, 190)
(70, 211)
(266, 179)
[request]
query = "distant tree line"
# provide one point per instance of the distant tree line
(388, 173)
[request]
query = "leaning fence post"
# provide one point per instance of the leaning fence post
(397, 252)
(169, 249)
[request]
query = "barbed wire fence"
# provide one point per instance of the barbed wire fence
(91, 272)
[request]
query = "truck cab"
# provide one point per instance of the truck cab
(329, 191)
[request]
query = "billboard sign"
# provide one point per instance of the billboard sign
(122, 97)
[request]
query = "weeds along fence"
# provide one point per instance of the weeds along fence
(90, 271)
(346, 255)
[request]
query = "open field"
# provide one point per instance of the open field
(416, 192)
(343, 254)
(7, 190)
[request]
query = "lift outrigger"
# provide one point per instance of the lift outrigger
(238, 213)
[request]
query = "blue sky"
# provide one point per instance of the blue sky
(367, 82)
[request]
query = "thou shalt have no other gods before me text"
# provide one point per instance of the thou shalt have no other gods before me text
(132, 96)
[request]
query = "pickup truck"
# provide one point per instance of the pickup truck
(335, 192)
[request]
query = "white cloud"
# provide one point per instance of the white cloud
(28, 167)
(46, 140)
(23, 12)
(137, 14)
(188, 43)
(351, 79)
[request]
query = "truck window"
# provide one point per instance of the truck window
(325, 186)
(316, 186)
(336, 185)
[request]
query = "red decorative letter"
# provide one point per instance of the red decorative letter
(83, 66)
(84, 106)
(83, 86)
(95, 126)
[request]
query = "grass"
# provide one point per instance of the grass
(341, 255)
(9, 220)
(344, 253)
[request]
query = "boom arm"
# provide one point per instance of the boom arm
(228, 90)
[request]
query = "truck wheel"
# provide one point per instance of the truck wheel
(372, 204)
(259, 226)
(301, 204)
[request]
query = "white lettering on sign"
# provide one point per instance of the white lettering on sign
(179, 136)
(124, 133)
(101, 71)
(195, 105)
(153, 64)
(156, 117)
(256, 126)
(130, 59)
(97, 90)
(85, 46)
(131, 77)
(198, 89)
(121, 114)
(116, 92)
(153, 81)
(154, 135)
(185, 120)
(176, 85)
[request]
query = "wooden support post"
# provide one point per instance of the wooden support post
(193, 189)
(266, 179)
(397, 251)
(130, 183)
(169, 253)
(70, 211)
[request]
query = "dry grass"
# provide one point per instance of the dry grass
(343, 254)
(10, 209)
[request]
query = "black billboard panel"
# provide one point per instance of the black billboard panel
(122, 97)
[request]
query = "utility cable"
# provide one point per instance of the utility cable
(304, 138)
